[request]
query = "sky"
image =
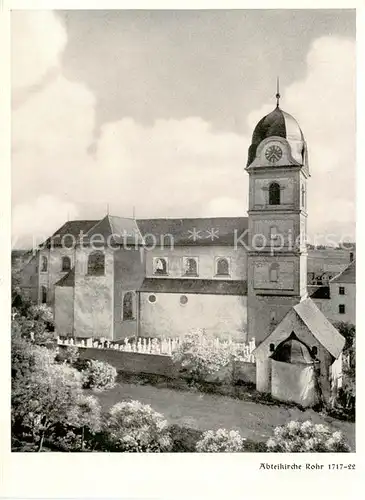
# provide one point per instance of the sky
(155, 110)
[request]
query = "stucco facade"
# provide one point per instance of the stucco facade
(93, 297)
(277, 259)
(221, 316)
(206, 257)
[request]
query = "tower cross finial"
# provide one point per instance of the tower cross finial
(277, 91)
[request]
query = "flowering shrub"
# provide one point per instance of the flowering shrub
(297, 437)
(200, 357)
(135, 427)
(99, 376)
(220, 441)
(43, 313)
(70, 355)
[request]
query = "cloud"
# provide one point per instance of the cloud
(38, 49)
(34, 222)
(176, 168)
(324, 105)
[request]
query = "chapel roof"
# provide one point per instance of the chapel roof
(315, 321)
(320, 327)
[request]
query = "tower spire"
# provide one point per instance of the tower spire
(277, 91)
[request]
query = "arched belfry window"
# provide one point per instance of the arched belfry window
(96, 263)
(66, 264)
(128, 306)
(222, 267)
(274, 272)
(44, 265)
(274, 194)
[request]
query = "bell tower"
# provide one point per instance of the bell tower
(277, 258)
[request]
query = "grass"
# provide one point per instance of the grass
(201, 411)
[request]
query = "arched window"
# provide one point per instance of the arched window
(96, 263)
(44, 295)
(128, 305)
(66, 264)
(160, 266)
(303, 196)
(44, 265)
(222, 267)
(274, 194)
(274, 272)
(191, 267)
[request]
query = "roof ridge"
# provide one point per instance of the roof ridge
(351, 264)
(99, 222)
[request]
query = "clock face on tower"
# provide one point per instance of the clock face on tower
(273, 153)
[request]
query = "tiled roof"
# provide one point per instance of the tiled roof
(319, 292)
(116, 230)
(212, 231)
(347, 276)
(208, 231)
(320, 327)
(199, 286)
(68, 279)
(73, 228)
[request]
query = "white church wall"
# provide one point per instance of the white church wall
(94, 298)
(222, 316)
(206, 257)
(64, 310)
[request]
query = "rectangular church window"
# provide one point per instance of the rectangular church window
(341, 309)
(274, 272)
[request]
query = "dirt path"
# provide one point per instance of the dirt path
(205, 411)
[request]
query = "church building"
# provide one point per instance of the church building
(236, 277)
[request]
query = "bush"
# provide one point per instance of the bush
(201, 359)
(70, 355)
(135, 427)
(184, 438)
(220, 441)
(99, 376)
(297, 437)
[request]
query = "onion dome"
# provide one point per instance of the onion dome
(293, 350)
(278, 123)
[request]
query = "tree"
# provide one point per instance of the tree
(84, 416)
(201, 359)
(136, 427)
(348, 331)
(347, 393)
(299, 437)
(43, 393)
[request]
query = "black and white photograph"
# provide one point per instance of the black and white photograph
(183, 233)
